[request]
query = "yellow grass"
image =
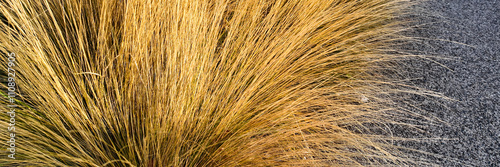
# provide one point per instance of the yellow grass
(200, 82)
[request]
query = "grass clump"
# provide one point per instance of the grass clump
(201, 82)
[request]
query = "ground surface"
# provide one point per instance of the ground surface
(473, 79)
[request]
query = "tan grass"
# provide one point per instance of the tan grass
(201, 82)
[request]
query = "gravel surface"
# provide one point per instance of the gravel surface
(465, 34)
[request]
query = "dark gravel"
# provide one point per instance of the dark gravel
(465, 35)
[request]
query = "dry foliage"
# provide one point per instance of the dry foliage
(200, 82)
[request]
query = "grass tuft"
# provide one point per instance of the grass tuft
(201, 82)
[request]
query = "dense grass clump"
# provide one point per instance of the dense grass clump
(200, 82)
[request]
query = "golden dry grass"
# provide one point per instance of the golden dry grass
(200, 82)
